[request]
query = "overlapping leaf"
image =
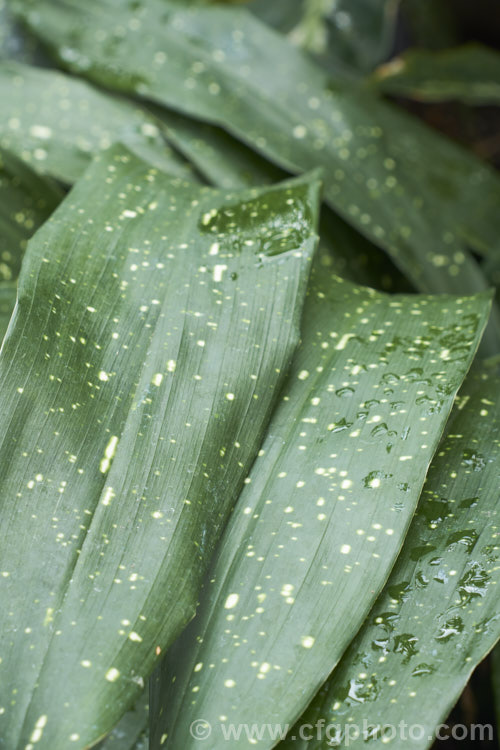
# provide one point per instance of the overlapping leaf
(324, 511)
(131, 731)
(438, 616)
(57, 123)
(26, 200)
(158, 337)
(8, 292)
(342, 33)
(225, 162)
(470, 74)
(409, 190)
(15, 42)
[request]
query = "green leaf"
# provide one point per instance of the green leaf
(438, 615)
(218, 157)
(325, 508)
(8, 294)
(344, 36)
(357, 34)
(282, 15)
(16, 43)
(141, 365)
(470, 74)
(414, 193)
(225, 162)
(26, 201)
(130, 732)
(57, 123)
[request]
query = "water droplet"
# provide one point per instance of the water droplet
(474, 460)
(422, 669)
(450, 628)
(345, 392)
(399, 591)
(467, 537)
(406, 644)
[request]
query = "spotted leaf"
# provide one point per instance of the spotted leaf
(139, 371)
(324, 510)
(437, 617)
(422, 198)
(71, 121)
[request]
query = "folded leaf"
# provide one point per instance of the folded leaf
(158, 339)
(470, 74)
(326, 506)
(56, 123)
(438, 616)
(414, 193)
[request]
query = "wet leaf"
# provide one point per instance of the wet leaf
(144, 357)
(470, 74)
(324, 510)
(225, 162)
(438, 615)
(422, 198)
(57, 123)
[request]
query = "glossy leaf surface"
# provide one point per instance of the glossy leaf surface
(438, 616)
(416, 194)
(224, 162)
(57, 123)
(325, 509)
(130, 415)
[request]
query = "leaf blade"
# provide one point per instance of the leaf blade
(99, 396)
(71, 121)
(439, 606)
(248, 79)
(322, 518)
